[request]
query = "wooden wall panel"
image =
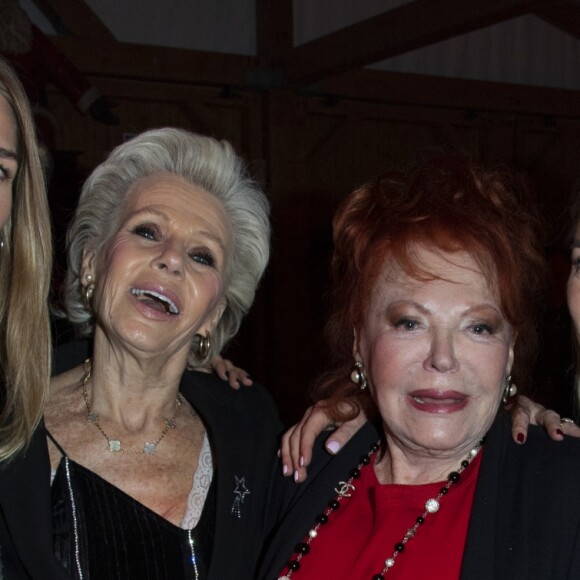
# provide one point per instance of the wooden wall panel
(142, 106)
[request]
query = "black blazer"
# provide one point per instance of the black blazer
(242, 427)
(525, 521)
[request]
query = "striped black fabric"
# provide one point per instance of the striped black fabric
(118, 537)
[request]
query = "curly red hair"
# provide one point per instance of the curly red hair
(447, 204)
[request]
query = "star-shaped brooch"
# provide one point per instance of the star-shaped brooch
(240, 493)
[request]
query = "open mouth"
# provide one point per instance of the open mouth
(438, 401)
(433, 400)
(155, 300)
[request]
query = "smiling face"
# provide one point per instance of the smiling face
(160, 278)
(436, 353)
(8, 158)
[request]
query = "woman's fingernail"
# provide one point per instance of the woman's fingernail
(284, 469)
(333, 446)
(301, 461)
(560, 432)
(296, 476)
(520, 437)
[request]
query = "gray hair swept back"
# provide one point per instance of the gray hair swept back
(202, 161)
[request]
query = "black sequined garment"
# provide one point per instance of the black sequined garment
(108, 534)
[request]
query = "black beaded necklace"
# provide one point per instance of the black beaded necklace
(344, 490)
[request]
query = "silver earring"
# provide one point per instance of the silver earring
(87, 292)
(1, 240)
(510, 390)
(358, 376)
(203, 345)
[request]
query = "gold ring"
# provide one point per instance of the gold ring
(565, 420)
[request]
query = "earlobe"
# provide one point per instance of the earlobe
(87, 268)
(511, 356)
(216, 316)
(87, 281)
(355, 346)
(220, 309)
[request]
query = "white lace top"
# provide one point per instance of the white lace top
(201, 482)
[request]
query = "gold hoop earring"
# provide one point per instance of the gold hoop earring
(203, 345)
(87, 293)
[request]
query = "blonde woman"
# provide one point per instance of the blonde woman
(25, 268)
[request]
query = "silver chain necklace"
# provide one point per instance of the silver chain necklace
(115, 445)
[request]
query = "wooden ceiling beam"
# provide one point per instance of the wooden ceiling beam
(76, 18)
(274, 29)
(156, 63)
(408, 27)
(474, 97)
(563, 14)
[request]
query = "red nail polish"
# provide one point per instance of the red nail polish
(559, 432)
(520, 437)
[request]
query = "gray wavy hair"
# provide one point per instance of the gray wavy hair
(202, 161)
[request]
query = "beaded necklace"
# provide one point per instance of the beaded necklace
(345, 489)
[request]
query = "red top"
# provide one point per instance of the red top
(361, 534)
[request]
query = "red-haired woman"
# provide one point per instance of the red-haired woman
(437, 272)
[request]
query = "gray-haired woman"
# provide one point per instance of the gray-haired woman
(158, 471)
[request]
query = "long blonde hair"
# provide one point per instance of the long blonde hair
(25, 271)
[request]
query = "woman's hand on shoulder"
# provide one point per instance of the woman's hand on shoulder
(227, 371)
(297, 443)
(525, 412)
